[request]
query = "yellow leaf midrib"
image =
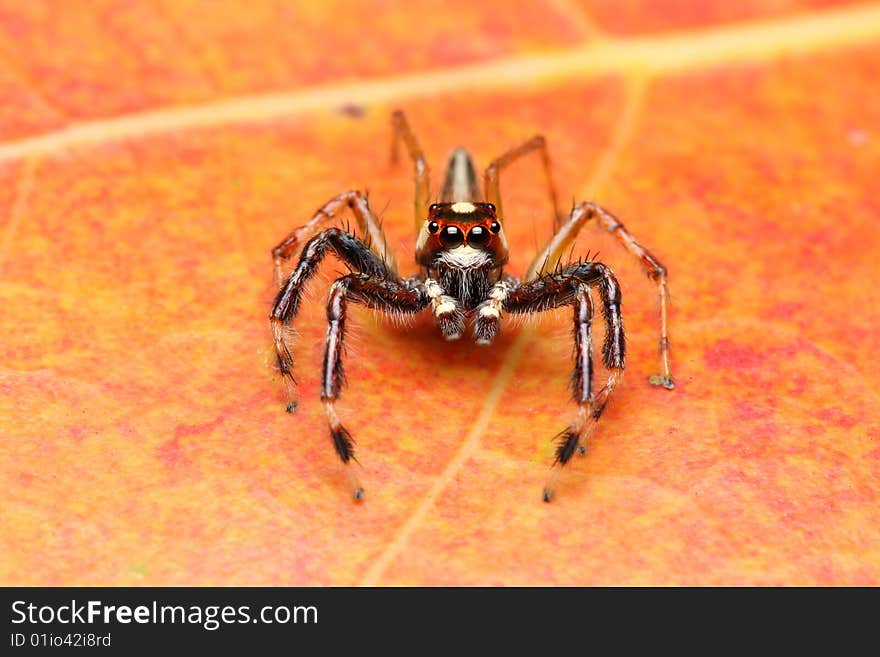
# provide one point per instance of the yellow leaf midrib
(640, 56)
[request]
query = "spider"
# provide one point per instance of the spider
(461, 251)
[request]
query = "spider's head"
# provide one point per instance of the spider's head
(462, 235)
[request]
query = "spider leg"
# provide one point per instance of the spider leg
(572, 286)
(368, 224)
(548, 259)
(352, 251)
(421, 171)
(374, 291)
(493, 173)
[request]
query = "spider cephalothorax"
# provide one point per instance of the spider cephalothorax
(459, 240)
(456, 232)
(461, 250)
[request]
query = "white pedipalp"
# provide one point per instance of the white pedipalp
(441, 303)
(495, 303)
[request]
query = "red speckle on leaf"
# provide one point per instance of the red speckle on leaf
(727, 354)
(835, 416)
(170, 452)
(183, 430)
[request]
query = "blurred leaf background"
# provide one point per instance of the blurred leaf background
(153, 153)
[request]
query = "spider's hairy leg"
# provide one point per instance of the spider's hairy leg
(421, 172)
(353, 252)
(447, 315)
(572, 286)
(367, 222)
(574, 438)
(657, 273)
(491, 177)
(548, 259)
(488, 319)
(379, 292)
(344, 445)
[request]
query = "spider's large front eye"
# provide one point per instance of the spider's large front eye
(478, 236)
(451, 236)
(433, 227)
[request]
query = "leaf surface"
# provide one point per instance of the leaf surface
(153, 154)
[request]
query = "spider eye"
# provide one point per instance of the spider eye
(451, 236)
(495, 227)
(478, 236)
(433, 227)
(433, 207)
(491, 207)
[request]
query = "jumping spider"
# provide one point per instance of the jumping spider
(461, 251)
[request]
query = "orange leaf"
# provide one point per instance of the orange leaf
(152, 156)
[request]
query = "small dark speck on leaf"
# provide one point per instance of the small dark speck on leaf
(353, 110)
